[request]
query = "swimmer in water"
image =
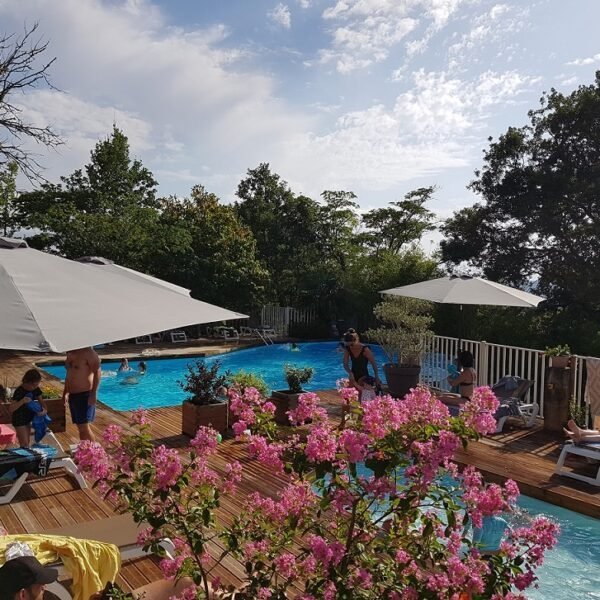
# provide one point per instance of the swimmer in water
(124, 366)
(294, 347)
(142, 368)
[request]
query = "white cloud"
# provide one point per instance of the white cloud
(497, 24)
(434, 126)
(570, 81)
(305, 3)
(281, 15)
(580, 62)
(364, 31)
(181, 95)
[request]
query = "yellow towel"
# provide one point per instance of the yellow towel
(91, 564)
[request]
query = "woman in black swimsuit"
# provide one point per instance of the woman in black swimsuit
(357, 358)
(466, 380)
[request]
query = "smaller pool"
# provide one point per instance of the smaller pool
(159, 386)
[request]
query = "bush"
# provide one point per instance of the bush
(203, 383)
(558, 350)
(296, 377)
(242, 380)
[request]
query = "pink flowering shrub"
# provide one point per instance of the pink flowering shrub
(396, 530)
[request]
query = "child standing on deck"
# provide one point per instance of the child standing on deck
(21, 416)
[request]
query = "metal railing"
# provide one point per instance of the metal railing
(493, 361)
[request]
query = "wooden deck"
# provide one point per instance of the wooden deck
(527, 456)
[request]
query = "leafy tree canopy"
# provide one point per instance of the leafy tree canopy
(540, 209)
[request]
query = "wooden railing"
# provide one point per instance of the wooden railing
(493, 361)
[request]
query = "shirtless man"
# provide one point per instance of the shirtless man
(81, 386)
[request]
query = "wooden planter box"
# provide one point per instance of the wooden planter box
(56, 411)
(284, 400)
(210, 415)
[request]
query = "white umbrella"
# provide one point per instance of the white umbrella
(466, 290)
(109, 265)
(49, 303)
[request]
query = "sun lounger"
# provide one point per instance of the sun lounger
(178, 337)
(589, 450)
(33, 465)
(143, 339)
(120, 530)
(511, 392)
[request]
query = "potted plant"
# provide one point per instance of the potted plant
(206, 403)
(52, 395)
(560, 356)
(403, 337)
(286, 400)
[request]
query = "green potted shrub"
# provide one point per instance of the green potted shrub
(403, 337)
(560, 356)
(286, 400)
(205, 404)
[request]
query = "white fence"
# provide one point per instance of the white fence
(281, 317)
(493, 361)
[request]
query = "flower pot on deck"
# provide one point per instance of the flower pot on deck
(284, 400)
(401, 379)
(560, 362)
(194, 416)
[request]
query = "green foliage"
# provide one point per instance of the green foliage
(558, 350)
(243, 379)
(403, 223)
(407, 329)
(8, 193)
(539, 208)
(296, 377)
(578, 412)
(209, 244)
(315, 330)
(203, 383)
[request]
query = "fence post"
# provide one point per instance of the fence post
(483, 367)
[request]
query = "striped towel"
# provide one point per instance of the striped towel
(592, 387)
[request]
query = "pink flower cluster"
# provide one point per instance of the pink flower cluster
(92, 459)
(205, 441)
(321, 443)
(267, 453)
(478, 413)
(139, 418)
(168, 466)
(308, 409)
(248, 407)
(326, 553)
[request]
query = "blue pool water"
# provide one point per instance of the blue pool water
(571, 570)
(159, 386)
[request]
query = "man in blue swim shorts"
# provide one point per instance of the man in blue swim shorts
(81, 387)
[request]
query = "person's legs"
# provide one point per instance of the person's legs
(23, 435)
(578, 434)
(82, 414)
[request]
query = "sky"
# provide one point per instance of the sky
(375, 96)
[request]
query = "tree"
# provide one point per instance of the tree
(8, 194)
(403, 223)
(538, 219)
(285, 227)
(214, 254)
(109, 210)
(19, 73)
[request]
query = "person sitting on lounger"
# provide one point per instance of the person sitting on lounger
(578, 434)
(464, 378)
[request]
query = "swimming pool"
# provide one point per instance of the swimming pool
(571, 569)
(159, 386)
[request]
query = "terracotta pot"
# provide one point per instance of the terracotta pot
(401, 379)
(209, 415)
(560, 362)
(284, 400)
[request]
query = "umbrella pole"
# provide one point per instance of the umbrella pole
(461, 327)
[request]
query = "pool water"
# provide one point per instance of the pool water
(571, 570)
(159, 386)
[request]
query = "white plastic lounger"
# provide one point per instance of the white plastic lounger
(178, 337)
(589, 450)
(143, 339)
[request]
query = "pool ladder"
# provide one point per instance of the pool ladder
(267, 341)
